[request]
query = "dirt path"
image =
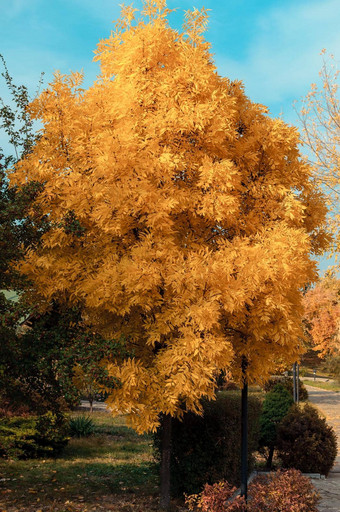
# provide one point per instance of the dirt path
(329, 403)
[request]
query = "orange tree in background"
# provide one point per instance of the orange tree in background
(182, 217)
(322, 316)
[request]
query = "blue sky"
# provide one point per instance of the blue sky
(272, 46)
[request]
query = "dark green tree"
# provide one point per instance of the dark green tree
(38, 364)
(276, 405)
(17, 229)
(37, 360)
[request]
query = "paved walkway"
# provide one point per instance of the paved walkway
(329, 403)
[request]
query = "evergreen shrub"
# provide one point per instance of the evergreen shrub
(276, 405)
(52, 434)
(17, 437)
(33, 437)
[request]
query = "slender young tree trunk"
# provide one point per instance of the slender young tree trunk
(294, 383)
(244, 432)
(270, 457)
(165, 463)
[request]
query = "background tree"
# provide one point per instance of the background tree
(322, 316)
(36, 362)
(86, 384)
(38, 365)
(320, 118)
(17, 229)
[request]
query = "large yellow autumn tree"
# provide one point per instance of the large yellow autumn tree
(182, 217)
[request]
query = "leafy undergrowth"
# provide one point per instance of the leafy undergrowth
(111, 470)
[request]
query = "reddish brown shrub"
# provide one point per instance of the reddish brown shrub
(216, 498)
(230, 386)
(8, 410)
(283, 491)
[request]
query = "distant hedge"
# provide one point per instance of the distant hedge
(287, 382)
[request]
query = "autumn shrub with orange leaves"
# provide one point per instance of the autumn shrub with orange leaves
(182, 217)
(218, 497)
(283, 491)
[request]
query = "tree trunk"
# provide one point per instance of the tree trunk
(294, 383)
(165, 463)
(270, 457)
(244, 440)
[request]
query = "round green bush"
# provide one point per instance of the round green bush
(306, 442)
(52, 434)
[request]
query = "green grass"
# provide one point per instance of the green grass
(112, 470)
(331, 386)
(114, 462)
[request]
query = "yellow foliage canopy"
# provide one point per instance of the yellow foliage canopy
(182, 216)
